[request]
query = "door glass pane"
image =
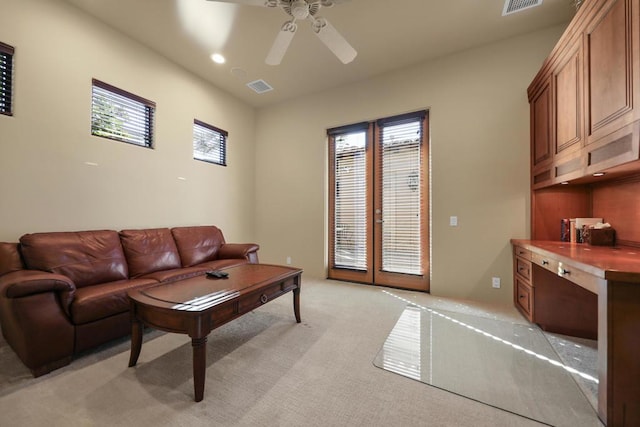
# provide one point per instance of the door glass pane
(350, 249)
(401, 198)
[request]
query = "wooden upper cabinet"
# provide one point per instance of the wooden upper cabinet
(557, 124)
(541, 134)
(585, 100)
(568, 100)
(611, 62)
(568, 89)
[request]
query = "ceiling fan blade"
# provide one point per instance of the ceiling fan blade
(334, 40)
(281, 43)
(244, 2)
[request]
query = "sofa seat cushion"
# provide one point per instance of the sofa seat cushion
(196, 270)
(149, 250)
(86, 257)
(175, 274)
(197, 244)
(223, 263)
(99, 301)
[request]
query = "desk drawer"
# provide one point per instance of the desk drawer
(579, 277)
(523, 268)
(545, 262)
(522, 252)
(569, 272)
(524, 298)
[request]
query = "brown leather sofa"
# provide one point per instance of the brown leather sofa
(64, 292)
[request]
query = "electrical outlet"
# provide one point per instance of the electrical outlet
(288, 260)
(495, 282)
(453, 221)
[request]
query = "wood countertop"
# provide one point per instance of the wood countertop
(616, 263)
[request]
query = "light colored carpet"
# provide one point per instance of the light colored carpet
(263, 370)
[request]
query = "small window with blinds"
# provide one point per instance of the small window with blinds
(350, 210)
(121, 116)
(6, 79)
(400, 154)
(209, 143)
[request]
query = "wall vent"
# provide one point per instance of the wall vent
(513, 6)
(259, 86)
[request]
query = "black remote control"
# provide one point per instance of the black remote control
(217, 274)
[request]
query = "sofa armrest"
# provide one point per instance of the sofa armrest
(24, 283)
(239, 250)
(35, 318)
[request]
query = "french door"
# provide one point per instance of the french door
(378, 202)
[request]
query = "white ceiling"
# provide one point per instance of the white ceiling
(387, 34)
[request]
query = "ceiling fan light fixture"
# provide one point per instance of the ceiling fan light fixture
(299, 9)
(302, 10)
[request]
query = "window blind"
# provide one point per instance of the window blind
(350, 227)
(6, 79)
(402, 205)
(209, 143)
(120, 115)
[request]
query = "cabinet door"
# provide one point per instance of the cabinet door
(541, 121)
(568, 114)
(541, 135)
(611, 66)
(568, 100)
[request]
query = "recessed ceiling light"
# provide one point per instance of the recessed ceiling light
(217, 58)
(564, 183)
(599, 174)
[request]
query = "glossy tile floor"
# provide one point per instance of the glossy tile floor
(507, 365)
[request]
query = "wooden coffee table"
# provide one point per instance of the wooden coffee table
(198, 305)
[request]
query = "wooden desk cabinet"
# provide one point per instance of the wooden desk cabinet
(588, 291)
(585, 123)
(522, 291)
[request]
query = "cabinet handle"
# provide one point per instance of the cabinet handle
(520, 252)
(545, 262)
(521, 296)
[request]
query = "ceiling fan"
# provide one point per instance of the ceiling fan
(299, 10)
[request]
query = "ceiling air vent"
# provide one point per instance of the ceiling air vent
(513, 6)
(259, 86)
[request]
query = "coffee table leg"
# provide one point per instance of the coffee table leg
(136, 342)
(296, 303)
(199, 366)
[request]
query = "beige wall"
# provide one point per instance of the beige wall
(479, 121)
(479, 133)
(45, 184)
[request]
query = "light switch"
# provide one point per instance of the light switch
(453, 221)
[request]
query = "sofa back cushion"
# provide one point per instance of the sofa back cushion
(149, 250)
(9, 258)
(86, 257)
(198, 244)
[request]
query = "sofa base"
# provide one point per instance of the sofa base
(51, 366)
(93, 334)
